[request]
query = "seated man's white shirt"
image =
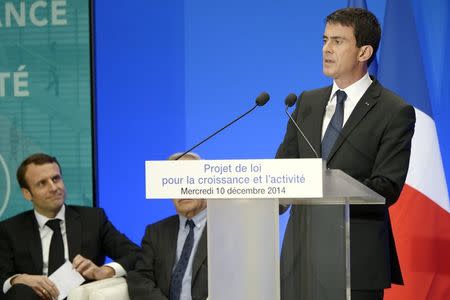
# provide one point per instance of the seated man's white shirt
(200, 223)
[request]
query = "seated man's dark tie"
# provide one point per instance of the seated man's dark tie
(178, 273)
(334, 128)
(56, 254)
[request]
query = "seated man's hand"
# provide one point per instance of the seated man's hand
(41, 285)
(91, 271)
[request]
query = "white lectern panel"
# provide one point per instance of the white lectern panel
(243, 254)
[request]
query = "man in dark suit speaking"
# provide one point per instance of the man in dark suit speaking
(363, 129)
(33, 244)
(173, 264)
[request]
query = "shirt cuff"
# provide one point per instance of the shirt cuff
(7, 284)
(119, 270)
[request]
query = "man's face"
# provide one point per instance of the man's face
(341, 57)
(189, 207)
(45, 188)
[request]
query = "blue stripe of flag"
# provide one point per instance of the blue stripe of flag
(400, 67)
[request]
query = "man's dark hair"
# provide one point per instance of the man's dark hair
(365, 26)
(37, 159)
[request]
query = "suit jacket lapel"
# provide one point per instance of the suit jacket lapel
(73, 232)
(170, 238)
(311, 118)
(201, 253)
(31, 231)
(365, 104)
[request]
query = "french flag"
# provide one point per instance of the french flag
(421, 216)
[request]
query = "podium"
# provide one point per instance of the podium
(243, 242)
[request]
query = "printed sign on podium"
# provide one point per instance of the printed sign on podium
(233, 179)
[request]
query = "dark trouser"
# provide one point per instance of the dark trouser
(21, 292)
(367, 295)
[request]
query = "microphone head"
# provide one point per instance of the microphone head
(290, 100)
(262, 99)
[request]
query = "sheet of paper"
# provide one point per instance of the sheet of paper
(66, 278)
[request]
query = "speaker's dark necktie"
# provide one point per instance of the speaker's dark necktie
(178, 274)
(56, 253)
(335, 126)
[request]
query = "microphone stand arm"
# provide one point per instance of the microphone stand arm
(216, 132)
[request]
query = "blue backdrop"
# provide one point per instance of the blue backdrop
(168, 73)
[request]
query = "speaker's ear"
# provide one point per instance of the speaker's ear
(365, 53)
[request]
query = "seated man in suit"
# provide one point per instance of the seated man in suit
(35, 243)
(173, 264)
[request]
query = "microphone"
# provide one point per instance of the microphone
(290, 101)
(261, 100)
